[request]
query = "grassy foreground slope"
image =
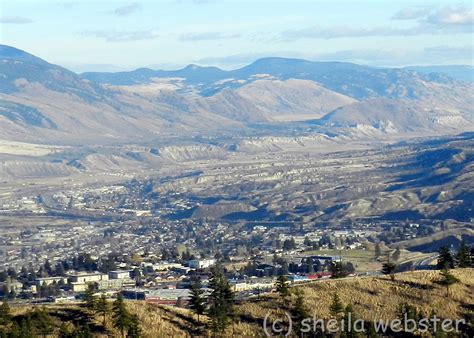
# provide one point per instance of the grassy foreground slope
(371, 297)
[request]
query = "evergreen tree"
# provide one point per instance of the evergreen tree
(197, 301)
(299, 311)
(289, 244)
(64, 331)
(43, 322)
(282, 287)
(349, 319)
(59, 269)
(134, 330)
(15, 330)
(82, 332)
(370, 330)
(47, 268)
(410, 312)
(307, 241)
(102, 308)
(284, 268)
(221, 301)
(338, 270)
(336, 307)
(26, 329)
(389, 269)
(120, 315)
(5, 316)
(463, 260)
(447, 279)
(445, 259)
(89, 297)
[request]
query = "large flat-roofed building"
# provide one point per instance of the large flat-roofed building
(239, 285)
(164, 266)
(115, 284)
(161, 296)
(119, 274)
(78, 286)
(88, 277)
(201, 263)
(50, 280)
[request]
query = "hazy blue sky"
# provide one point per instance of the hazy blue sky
(112, 35)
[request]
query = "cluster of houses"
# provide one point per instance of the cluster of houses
(114, 280)
(171, 286)
(173, 290)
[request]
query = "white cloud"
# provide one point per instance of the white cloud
(207, 36)
(15, 20)
(411, 13)
(462, 15)
(127, 9)
(317, 32)
(121, 36)
(429, 20)
(440, 17)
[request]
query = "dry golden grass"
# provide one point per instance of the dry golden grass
(163, 321)
(379, 298)
(371, 297)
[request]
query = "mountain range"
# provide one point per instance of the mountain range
(45, 103)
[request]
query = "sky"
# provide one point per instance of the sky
(114, 35)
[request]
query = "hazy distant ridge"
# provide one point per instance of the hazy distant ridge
(42, 102)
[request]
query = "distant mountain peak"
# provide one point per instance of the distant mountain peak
(192, 66)
(12, 53)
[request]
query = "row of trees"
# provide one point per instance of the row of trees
(308, 265)
(34, 323)
(81, 262)
(122, 319)
(463, 258)
(38, 322)
(218, 304)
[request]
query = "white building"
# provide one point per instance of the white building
(201, 263)
(88, 277)
(50, 280)
(119, 274)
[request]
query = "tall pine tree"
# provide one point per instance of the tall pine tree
(447, 279)
(5, 315)
(282, 287)
(120, 315)
(102, 308)
(389, 268)
(134, 330)
(221, 302)
(89, 297)
(197, 301)
(445, 259)
(299, 311)
(336, 307)
(463, 259)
